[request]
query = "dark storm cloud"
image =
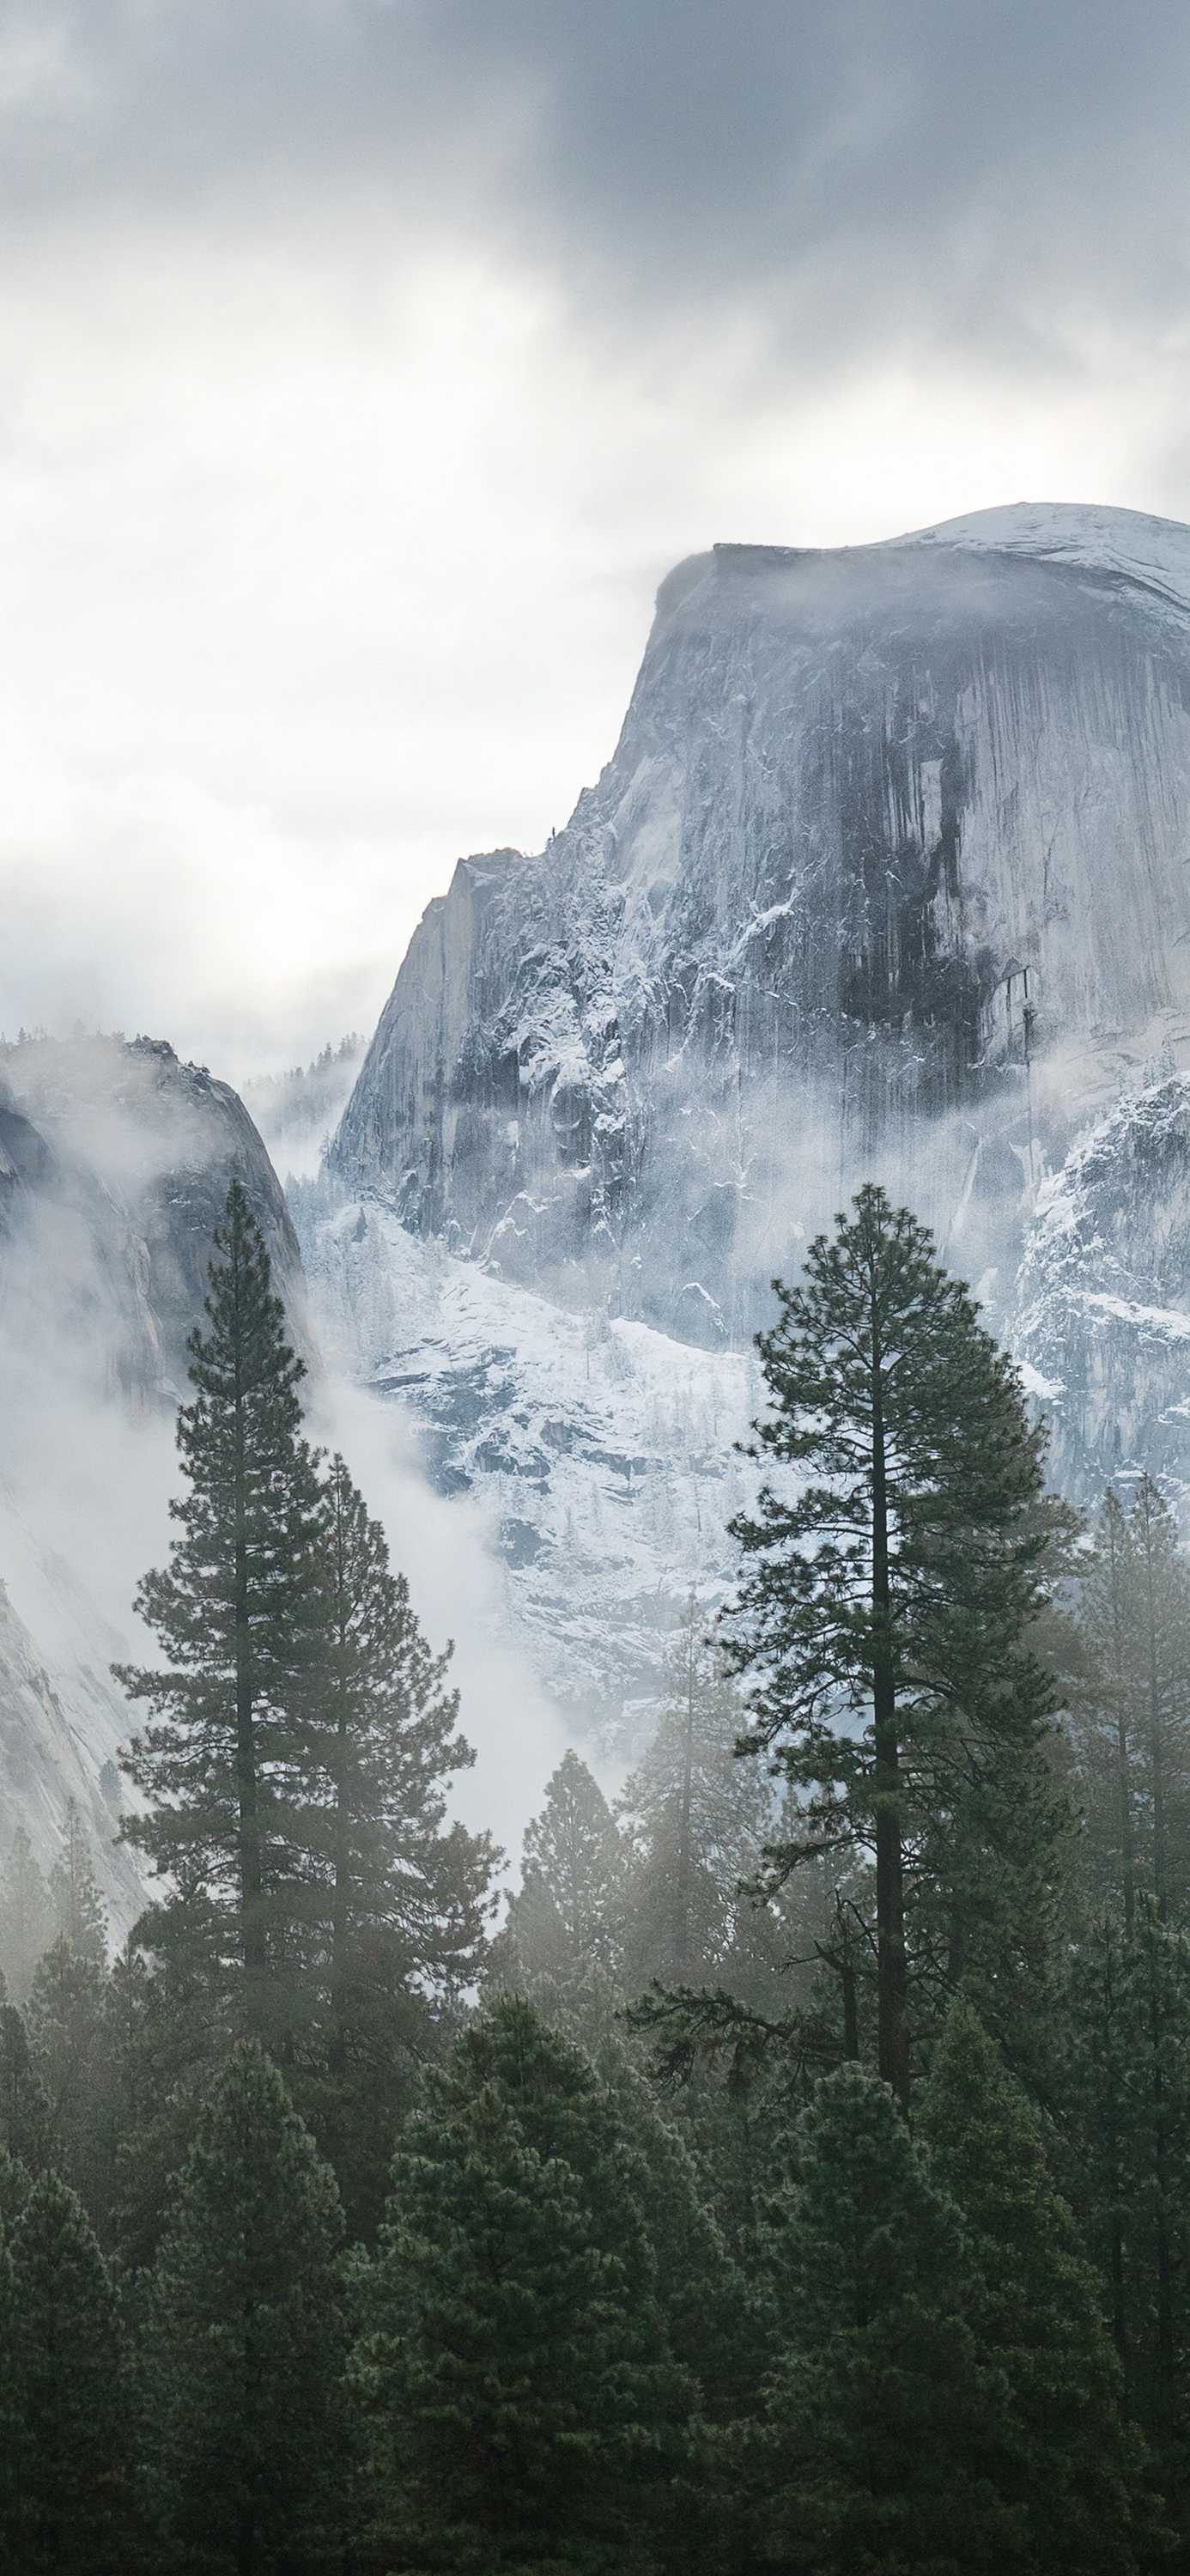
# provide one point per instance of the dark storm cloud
(846, 167)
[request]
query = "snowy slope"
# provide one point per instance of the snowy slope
(1153, 553)
(1101, 1319)
(602, 1453)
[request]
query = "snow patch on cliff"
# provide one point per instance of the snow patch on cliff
(1129, 543)
(602, 1454)
(1101, 1322)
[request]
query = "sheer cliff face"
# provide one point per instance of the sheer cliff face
(888, 875)
(115, 1162)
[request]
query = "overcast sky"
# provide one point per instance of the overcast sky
(365, 363)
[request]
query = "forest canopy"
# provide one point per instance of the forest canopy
(792, 2175)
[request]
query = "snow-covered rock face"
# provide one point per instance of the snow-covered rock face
(602, 1455)
(1101, 1322)
(888, 876)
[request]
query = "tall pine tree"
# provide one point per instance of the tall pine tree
(235, 1612)
(392, 1896)
(394, 1899)
(892, 1579)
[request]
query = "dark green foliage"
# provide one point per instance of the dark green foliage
(1036, 2312)
(568, 1915)
(394, 1905)
(66, 2022)
(887, 2433)
(70, 2393)
(522, 2394)
(1128, 2125)
(395, 1893)
(245, 2342)
(296, 1769)
(235, 1613)
(885, 1613)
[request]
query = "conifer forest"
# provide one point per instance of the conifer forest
(793, 2175)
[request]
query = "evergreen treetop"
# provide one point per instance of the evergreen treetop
(235, 1612)
(70, 2389)
(247, 2340)
(888, 2431)
(569, 1911)
(79, 1914)
(899, 1550)
(391, 1895)
(1036, 2310)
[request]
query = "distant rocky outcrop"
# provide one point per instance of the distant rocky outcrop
(888, 875)
(115, 1162)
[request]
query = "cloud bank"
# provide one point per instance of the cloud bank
(364, 363)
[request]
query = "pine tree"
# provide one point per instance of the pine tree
(1129, 2096)
(1131, 1706)
(24, 2110)
(884, 1618)
(393, 1895)
(70, 2391)
(567, 1916)
(887, 2433)
(235, 1613)
(1103, 1710)
(1035, 2313)
(26, 1917)
(394, 1904)
(79, 1915)
(66, 2023)
(163, 2049)
(515, 2371)
(246, 2341)
(696, 1822)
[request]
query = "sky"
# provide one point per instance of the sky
(364, 365)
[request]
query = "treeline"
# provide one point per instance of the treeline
(798, 2180)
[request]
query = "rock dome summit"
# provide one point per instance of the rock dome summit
(888, 874)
